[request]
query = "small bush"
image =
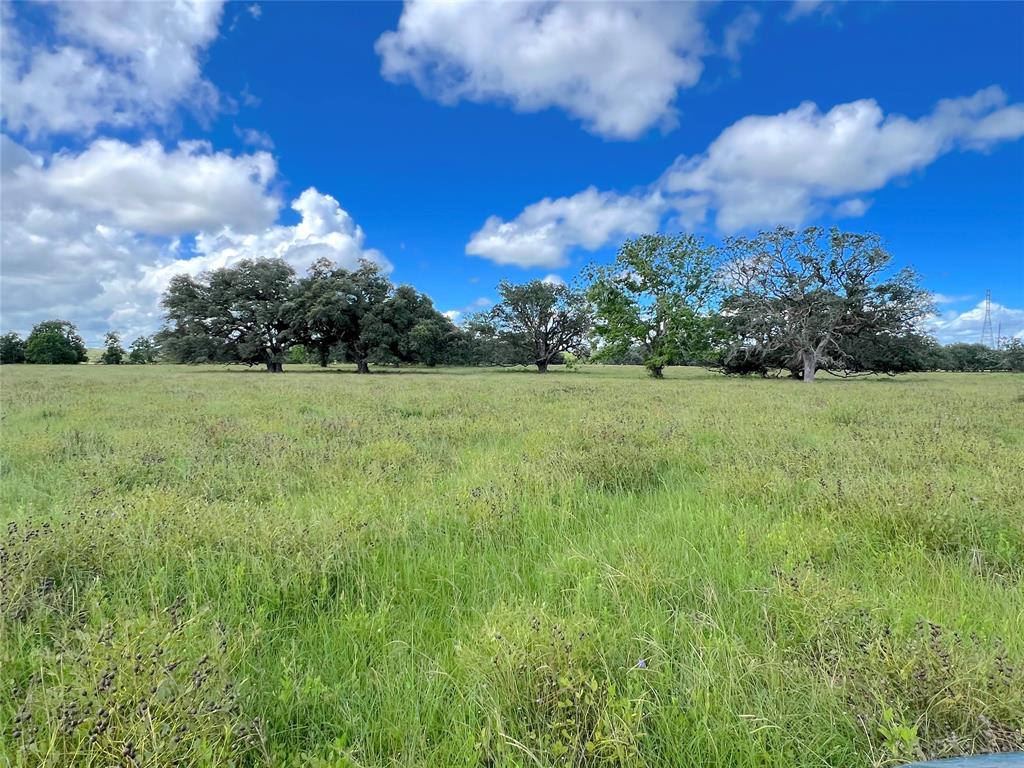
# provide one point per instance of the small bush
(559, 703)
(138, 693)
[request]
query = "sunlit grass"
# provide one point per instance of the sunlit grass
(460, 567)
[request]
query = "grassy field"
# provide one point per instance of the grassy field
(204, 566)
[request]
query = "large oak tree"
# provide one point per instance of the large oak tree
(333, 309)
(230, 314)
(817, 300)
(540, 320)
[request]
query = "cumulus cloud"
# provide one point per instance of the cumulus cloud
(762, 171)
(325, 230)
(786, 168)
(553, 279)
(146, 188)
(118, 63)
(80, 242)
(951, 327)
(615, 66)
(542, 234)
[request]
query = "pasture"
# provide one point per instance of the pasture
(211, 566)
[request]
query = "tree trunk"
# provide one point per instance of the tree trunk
(362, 366)
(542, 366)
(810, 360)
(323, 355)
(657, 371)
(275, 368)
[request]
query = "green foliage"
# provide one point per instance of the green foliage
(656, 297)
(143, 351)
(113, 353)
(234, 313)
(968, 357)
(553, 705)
(335, 308)
(537, 321)
(405, 328)
(919, 692)
(797, 301)
(1013, 356)
(55, 342)
(12, 349)
(813, 301)
(483, 343)
(299, 355)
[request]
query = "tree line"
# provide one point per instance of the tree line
(783, 302)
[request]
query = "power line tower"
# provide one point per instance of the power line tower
(987, 337)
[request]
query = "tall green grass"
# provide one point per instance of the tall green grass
(205, 566)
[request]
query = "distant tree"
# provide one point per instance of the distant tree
(539, 321)
(185, 343)
(435, 341)
(888, 353)
(476, 342)
(655, 298)
(143, 350)
(113, 353)
(299, 355)
(807, 296)
(334, 309)
(969, 357)
(1013, 355)
(12, 349)
(633, 355)
(55, 342)
(405, 328)
(234, 313)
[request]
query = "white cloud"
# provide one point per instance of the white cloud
(615, 66)
(853, 208)
(966, 326)
(249, 98)
(146, 188)
(739, 32)
(479, 304)
(254, 138)
(942, 298)
(541, 235)
(553, 279)
(82, 243)
(786, 168)
(762, 171)
(114, 63)
(801, 8)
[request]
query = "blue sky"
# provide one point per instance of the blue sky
(458, 144)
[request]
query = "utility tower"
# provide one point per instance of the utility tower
(987, 337)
